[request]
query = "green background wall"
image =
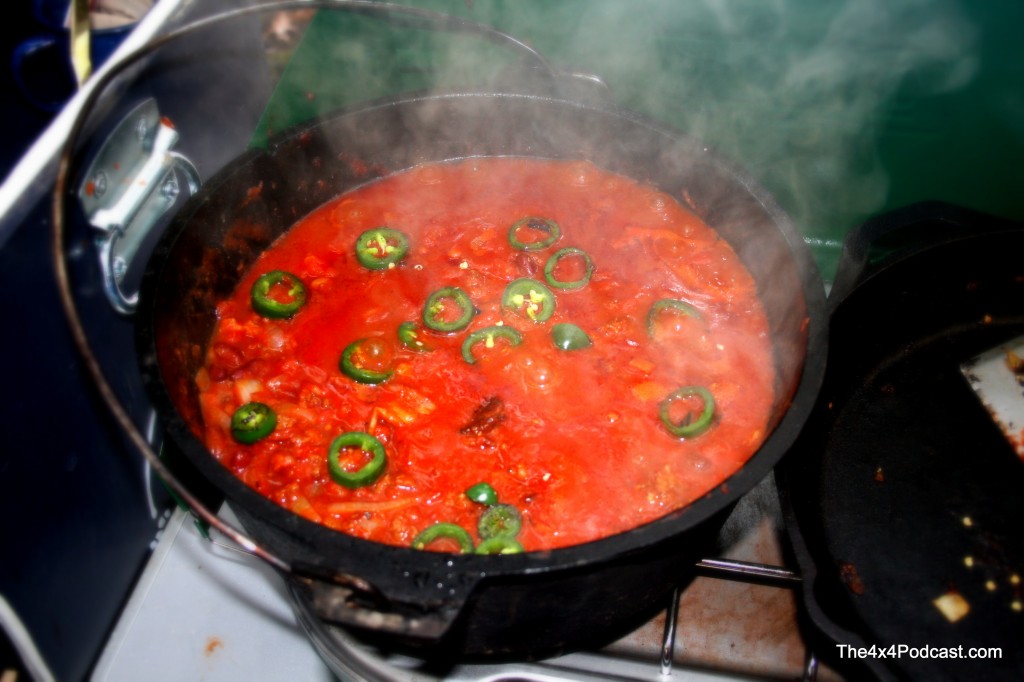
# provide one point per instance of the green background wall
(842, 109)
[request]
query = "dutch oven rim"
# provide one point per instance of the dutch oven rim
(664, 528)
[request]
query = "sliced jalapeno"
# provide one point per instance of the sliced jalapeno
(568, 336)
(548, 228)
(482, 493)
(670, 304)
(409, 336)
(499, 521)
(688, 426)
(446, 531)
(360, 353)
(252, 422)
(381, 248)
(437, 313)
(556, 257)
(277, 294)
(369, 472)
(500, 546)
(487, 336)
(530, 299)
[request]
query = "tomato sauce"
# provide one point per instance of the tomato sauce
(574, 439)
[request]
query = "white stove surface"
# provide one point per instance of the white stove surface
(201, 611)
(204, 611)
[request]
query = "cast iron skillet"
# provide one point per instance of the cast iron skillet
(517, 605)
(899, 452)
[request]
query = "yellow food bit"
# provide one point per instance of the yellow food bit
(642, 364)
(952, 605)
(1015, 579)
(968, 522)
(969, 561)
(1016, 605)
(990, 585)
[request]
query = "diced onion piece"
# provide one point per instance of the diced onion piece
(245, 388)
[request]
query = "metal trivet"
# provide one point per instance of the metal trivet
(351, 659)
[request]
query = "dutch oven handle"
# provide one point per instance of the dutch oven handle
(353, 602)
(131, 183)
(894, 235)
(133, 179)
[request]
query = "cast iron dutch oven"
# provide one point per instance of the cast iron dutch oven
(516, 605)
(902, 490)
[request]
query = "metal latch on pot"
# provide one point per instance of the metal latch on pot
(131, 183)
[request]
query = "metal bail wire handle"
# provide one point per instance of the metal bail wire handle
(148, 141)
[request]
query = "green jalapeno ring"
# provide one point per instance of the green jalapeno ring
(381, 248)
(673, 304)
(266, 306)
(252, 422)
(534, 223)
(529, 298)
(500, 545)
(435, 304)
(499, 521)
(369, 473)
(552, 263)
(350, 369)
(688, 428)
(487, 335)
(447, 531)
(409, 336)
(482, 493)
(568, 336)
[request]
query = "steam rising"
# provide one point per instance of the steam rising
(797, 92)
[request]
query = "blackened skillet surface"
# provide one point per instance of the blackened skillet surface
(900, 453)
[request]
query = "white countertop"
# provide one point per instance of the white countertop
(201, 611)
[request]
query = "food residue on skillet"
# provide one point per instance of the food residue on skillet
(848, 574)
(952, 606)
